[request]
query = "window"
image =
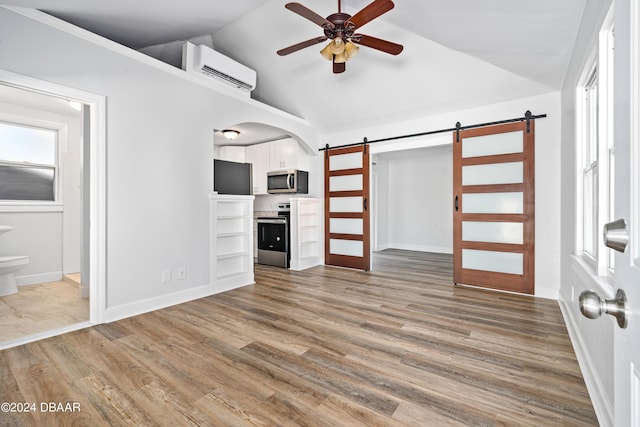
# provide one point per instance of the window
(590, 167)
(595, 153)
(28, 163)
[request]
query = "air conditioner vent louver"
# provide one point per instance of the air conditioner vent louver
(215, 73)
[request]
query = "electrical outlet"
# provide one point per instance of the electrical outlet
(166, 276)
(182, 273)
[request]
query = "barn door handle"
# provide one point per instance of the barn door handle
(456, 203)
(364, 203)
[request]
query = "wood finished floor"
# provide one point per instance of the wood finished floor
(40, 308)
(323, 347)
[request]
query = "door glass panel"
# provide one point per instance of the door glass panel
(495, 173)
(499, 262)
(489, 145)
(345, 183)
(345, 204)
(346, 247)
(493, 232)
(507, 203)
(345, 225)
(345, 161)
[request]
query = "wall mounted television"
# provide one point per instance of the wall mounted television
(232, 177)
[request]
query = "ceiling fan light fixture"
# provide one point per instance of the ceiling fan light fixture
(337, 46)
(326, 52)
(341, 58)
(230, 134)
(351, 49)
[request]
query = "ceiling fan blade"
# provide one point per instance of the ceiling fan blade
(339, 67)
(379, 44)
(305, 12)
(296, 47)
(371, 12)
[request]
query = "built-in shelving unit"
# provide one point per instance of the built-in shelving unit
(231, 243)
(307, 244)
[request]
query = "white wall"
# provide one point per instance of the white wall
(548, 145)
(159, 149)
(49, 235)
(592, 340)
(416, 211)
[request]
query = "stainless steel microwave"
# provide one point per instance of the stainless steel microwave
(288, 181)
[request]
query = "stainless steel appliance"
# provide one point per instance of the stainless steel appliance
(288, 181)
(273, 238)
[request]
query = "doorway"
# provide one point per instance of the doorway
(56, 232)
(411, 200)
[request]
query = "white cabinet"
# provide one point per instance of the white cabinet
(266, 157)
(287, 154)
(307, 245)
(258, 155)
(230, 153)
(231, 241)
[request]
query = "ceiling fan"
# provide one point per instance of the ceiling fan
(340, 29)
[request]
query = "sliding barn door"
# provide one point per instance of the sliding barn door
(346, 204)
(493, 182)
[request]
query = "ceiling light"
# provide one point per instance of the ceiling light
(230, 134)
(351, 49)
(337, 46)
(326, 52)
(339, 51)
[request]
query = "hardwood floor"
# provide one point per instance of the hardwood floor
(323, 347)
(40, 308)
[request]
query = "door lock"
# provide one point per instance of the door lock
(592, 306)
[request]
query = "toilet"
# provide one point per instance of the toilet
(8, 266)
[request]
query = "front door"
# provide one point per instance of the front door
(626, 191)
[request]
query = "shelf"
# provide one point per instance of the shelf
(232, 255)
(231, 245)
(234, 216)
(238, 233)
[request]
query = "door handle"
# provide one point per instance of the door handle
(364, 204)
(592, 306)
(616, 235)
(456, 203)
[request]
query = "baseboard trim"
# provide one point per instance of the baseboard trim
(602, 407)
(420, 248)
(34, 279)
(163, 301)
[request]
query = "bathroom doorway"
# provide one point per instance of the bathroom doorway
(55, 290)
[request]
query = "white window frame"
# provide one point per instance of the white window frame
(600, 64)
(61, 143)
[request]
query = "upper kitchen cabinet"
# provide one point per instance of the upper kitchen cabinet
(287, 154)
(258, 155)
(230, 153)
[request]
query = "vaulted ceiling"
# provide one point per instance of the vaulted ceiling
(457, 53)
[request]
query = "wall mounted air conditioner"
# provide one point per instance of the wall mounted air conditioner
(206, 61)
